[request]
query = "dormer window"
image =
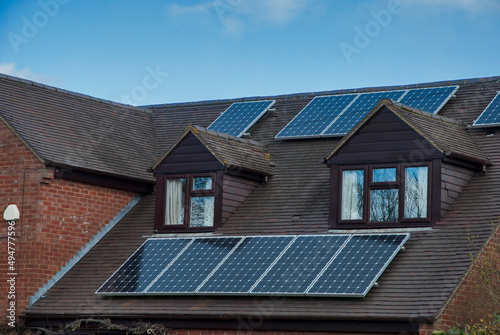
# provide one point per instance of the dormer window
(378, 194)
(203, 179)
(399, 167)
(190, 201)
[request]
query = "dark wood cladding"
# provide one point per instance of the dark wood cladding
(189, 156)
(106, 181)
(386, 139)
(236, 190)
(453, 180)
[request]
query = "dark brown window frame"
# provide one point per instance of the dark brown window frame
(160, 202)
(433, 195)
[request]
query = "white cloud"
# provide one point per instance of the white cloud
(179, 10)
(25, 73)
(236, 16)
(469, 5)
(275, 11)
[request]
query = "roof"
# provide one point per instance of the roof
(76, 131)
(232, 152)
(447, 135)
(413, 288)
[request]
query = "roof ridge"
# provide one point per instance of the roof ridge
(329, 92)
(141, 109)
(224, 135)
(426, 114)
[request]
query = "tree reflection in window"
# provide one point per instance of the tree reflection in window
(416, 180)
(384, 205)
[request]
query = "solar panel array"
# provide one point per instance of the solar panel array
(490, 117)
(336, 115)
(240, 116)
(317, 265)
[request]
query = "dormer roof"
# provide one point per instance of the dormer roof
(446, 135)
(231, 152)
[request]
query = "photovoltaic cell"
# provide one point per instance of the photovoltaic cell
(336, 115)
(240, 116)
(194, 265)
(246, 264)
(358, 110)
(300, 264)
(316, 116)
(491, 115)
(143, 266)
(317, 265)
(358, 265)
(429, 99)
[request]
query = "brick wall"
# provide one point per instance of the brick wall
(453, 180)
(58, 218)
(470, 303)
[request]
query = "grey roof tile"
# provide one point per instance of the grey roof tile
(415, 286)
(77, 131)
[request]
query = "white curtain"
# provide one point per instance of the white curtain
(416, 181)
(174, 211)
(352, 195)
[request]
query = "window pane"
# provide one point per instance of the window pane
(174, 207)
(384, 175)
(352, 195)
(202, 211)
(416, 181)
(384, 205)
(202, 183)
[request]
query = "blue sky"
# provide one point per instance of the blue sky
(148, 52)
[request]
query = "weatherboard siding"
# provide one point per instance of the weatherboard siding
(190, 155)
(453, 180)
(385, 139)
(235, 191)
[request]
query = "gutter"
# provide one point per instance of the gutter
(482, 163)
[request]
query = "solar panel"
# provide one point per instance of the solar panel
(246, 264)
(240, 116)
(358, 265)
(358, 110)
(336, 115)
(300, 264)
(491, 115)
(317, 265)
(316, 116)
(194, 265)
(144, 266)
(429, 99)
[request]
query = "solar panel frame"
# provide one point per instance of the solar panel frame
(305, 110)
(215, 278)
(449, 90)
(174, 266)
(359, 112)
(493, 106)
(255, 289)
(289, 241)
(125, 264)
(375, 277)
(249, 121)
(445, 91)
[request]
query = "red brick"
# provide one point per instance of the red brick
(58, 217)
